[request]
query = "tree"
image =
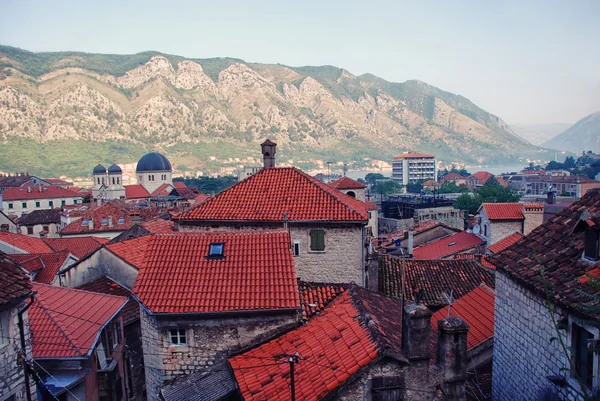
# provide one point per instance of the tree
(493, 192)
(387, 187)
(371, 178)
(554, 165)
(416, 187)
(468, 202)
(453, 169)
(450, 187)
(86, 199)
(569, 162)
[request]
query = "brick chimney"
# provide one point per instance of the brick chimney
(416, 331)
(452, 356)
(269, 148)
(534, 216)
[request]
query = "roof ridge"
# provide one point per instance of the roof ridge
(76, 290)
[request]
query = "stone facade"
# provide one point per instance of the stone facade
(342, 261)
(524, 354)
(209, 341)
(12, 374)
(495, 230)
(447, 215)
(534, 216)
(101, 263)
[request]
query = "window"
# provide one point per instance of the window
(116, 334)
(4, 332)
(104, 221)
(10, 205)
(4, 228)
(317, 240)
(45, 228)
(592, 244)
(385, 388)
(149, 178)
(296, 248)
(85, 222)
(98, 180)
(117, 180)
(63, 202)
(583, 355)
(113, 180)
(24, 205)
(121, 220)
(74, 201)
(50, 204)
(37, 204)
(216, 249)
(178, 336)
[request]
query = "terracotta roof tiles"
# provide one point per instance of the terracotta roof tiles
(24, 243)
(131, 251)
(112, 216)
(158, 226)
(314, 297)
(65, 322)
(503, 211)
(274, 192)
(105, 285)
(448, 246)
(78, 246)
(136, 191)
(44, 192)
(505, 243)
(346, 183)
(256, 272)
(15, 281)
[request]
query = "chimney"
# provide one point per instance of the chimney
(416, 331)
(551, 200)
(269, 148)
(110, 221)
(410, 242)
(91, 223)
(452, 356)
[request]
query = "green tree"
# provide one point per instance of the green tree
(415, 188)
(468, 202)
(569, 162)
(371, 178)
(450, 187)
(387, 187)
(554, 165)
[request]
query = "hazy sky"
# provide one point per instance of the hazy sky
(525, 61)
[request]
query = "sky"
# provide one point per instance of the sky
(535, 62)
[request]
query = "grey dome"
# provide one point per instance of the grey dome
(99, 169)
(153, 162)
(114, 169)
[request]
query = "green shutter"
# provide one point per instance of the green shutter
(317, 240)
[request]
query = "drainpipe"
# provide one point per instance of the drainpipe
(22, 336)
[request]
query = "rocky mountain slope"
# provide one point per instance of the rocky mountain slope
(584, 135)
(537, 134)
(202, 113)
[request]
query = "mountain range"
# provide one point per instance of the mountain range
(538, 134)
(61, 113)
(584, 135)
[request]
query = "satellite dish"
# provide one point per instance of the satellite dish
(476, 229)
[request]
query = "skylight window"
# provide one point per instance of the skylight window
(121, 220)
(104, 221)
(216, 249)
(85, 222)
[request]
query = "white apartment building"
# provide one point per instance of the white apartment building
(16, 201)
(411, 167)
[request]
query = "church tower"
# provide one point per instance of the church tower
(116, 190)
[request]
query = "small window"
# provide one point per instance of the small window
(4, 332)
(98, 180)
(45, 228)
(74, 201)
(85, 222)
(592, 244)
(317, 240)
(37, 204)
(30, 230)
(121, 220)
(104, 221)
(24, 205)
(10, 205)
(113, 180)
(583, 355)
(178, 336)
(116, 334)
(63, 202)
(296, 248)
(117, 180)
(4, 228)
(50, 204)
(216, 249)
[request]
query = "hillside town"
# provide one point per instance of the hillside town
(426, 285)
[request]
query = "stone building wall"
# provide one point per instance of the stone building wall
(210, 341)
(523, 353)
(498, 229)
(12, 376)
(342, 261)
(533, 218)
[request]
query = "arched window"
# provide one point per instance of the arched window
(117, 180)
(149, 178)
(113, 180)
(98, 180)
(351, 193)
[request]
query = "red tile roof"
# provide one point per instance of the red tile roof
(105, 285)
(135, 192)
(28, 261)
(347, 183)
(432, 278)
(256, 272)
(481, 176)
(15, 281)
(505, 243)
(78, 246)
(314, 297)
(353, 331)
(58, 181)
(179, 184)
(476, 309)
(164, 189)
(131, 251)
(65, 322)
(502, 182)
(533, 206)
(447, 246)
(158, 226)
(452, 177)
(24, 242)
(46, 264)
(556, 246)
(371, 206)
(503, 211)
(47, 192)
(274, 192)
(481, 259)
(413, 155)
(431, 183)
(113, 209)
(200, 198)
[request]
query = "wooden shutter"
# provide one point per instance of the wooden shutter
(317, 240)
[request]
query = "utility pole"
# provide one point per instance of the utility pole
(292, 359)
(328, 173)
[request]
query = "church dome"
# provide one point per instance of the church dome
(153, 162)
(99, 169)
(114, 169)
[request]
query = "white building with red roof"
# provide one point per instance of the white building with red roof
(350, 187)
(327, 227)
(16, 201)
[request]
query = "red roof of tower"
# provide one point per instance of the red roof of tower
(503, 211)
(347, 183)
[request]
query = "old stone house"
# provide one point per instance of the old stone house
(362, 346)
(16, 201)
(7, 225)
(15, 343)
(327, 227)
(554, 262)
(77, 344)
(40, 223)
(205, 294)
(500, 220)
